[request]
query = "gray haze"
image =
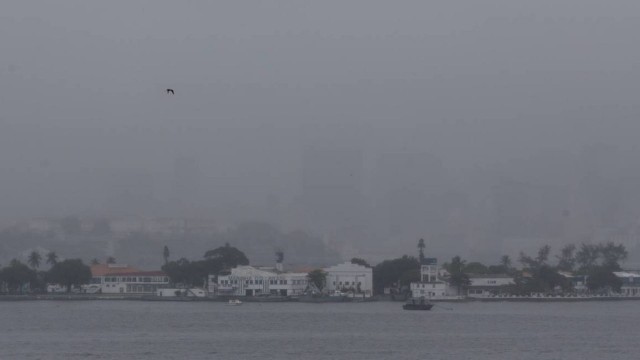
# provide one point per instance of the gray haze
(485, 127)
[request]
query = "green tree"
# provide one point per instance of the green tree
(397, 272)
(318, 278)
(601, 278)
(34, 259)
(503, 268)
(111, 260)
(70, 273)
(359, 261)
(178, 271)
(540, 259)
(505, 261)
(52, 258)
(458, 278)
(95, 261)
(16, 276)
(567, 259)
(476, 268)
(227, 256)
(612, 255)
(190, 273)
(165, 254)
(587, 257)
(543, 254)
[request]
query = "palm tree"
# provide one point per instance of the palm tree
(505, 261)
(458, 278)
(421, 247)
(111, 260)
(52, 258)
(165, 254)
(95, 261)
(34, 259)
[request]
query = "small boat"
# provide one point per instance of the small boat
(420, 304)
(235, 302)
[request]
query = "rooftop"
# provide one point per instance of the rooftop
(121, 269)
(489, 276)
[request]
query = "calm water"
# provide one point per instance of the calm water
(151, 330)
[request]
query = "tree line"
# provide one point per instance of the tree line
(195, 273)
(538, 274)
(20, 278)
(594, 263)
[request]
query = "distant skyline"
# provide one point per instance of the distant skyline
(474, 125)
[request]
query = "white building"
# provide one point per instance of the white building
(123, 279)
(431, 286)
(630, 282)
(350, 278)
(487, 285)
(430, 290)
(250, 281)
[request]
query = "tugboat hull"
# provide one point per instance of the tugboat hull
(417, 306)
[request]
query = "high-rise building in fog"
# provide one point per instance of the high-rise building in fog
(130, 192)
(406, 189)
(187, 182)
(332, 187)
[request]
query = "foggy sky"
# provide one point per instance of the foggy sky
(469, 97)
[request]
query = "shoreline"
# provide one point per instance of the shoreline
(82, 297)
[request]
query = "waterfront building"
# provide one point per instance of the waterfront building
(630, 282)
(251, 281)
(350, 278)
(488, 285)
(124, 279)
(431, 284)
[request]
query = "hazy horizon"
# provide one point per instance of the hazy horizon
(482, 127)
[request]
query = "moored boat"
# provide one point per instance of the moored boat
(419, 304)
(234, 302)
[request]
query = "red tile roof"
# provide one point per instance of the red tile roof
(124, 270)
(111, 269)
(142, 273)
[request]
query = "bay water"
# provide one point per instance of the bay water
(112, 329)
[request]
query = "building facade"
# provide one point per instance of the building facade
(630, 282)
(251, 281)
(123, 279)
(350, 278)
(488, 285)
(431, 285)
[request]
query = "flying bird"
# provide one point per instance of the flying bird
(170, 91)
